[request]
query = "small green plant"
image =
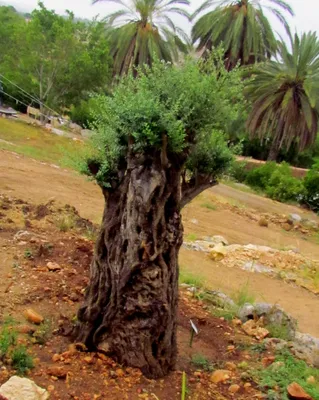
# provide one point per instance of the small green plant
(209, 206)
(279, 331)
(191, 237)
(8, 338)
(282, 186)
(43, 333)
(258, 348)
(259, 177)
(65, 223)
(28, 254)
(22, 361)
(190, 279)
(228, 313)
(91, 233)
(201, 362)
(243, 295)
(184, 387)
(283, 372)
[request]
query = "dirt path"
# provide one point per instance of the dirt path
(38, 182)
(297, 301)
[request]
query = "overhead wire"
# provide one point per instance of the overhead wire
(19, 101)
(33, 98)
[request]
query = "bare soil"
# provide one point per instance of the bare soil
(38, 182)
(65, 369)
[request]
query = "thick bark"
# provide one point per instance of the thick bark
(131, 302)
(274, 150)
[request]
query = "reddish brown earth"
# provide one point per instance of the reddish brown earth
(67, 371)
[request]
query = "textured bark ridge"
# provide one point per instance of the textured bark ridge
(131, 302)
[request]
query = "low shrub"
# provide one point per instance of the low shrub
(310, 196)
(277, 182)
(282, 186)
(238, 171)
(259, 177)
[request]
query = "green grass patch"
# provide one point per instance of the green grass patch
(279, 331)
(65, 223)
(201, 362)
(283, 372)
(191, 237)
(37, 143)
(191, 279)
(10, 351)
(243, 295)
(22, 361)
(209, 206)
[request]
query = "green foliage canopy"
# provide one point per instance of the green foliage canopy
(241, 26)
(57, 59)
(144, 30)
(285, 94)
(182, 108)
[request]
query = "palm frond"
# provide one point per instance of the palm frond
(285, 94)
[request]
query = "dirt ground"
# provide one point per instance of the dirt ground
(38, 182)
(28, 280)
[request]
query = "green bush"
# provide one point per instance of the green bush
(311, 194)
(259, 177)
(238, 171)
(277, 181)
(81, 114)
(282, 186)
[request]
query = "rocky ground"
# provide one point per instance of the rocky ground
(46, 251)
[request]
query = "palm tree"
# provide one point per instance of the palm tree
(143, 30)
(241, 27)
(285, 95)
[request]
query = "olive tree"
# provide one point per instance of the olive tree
(159, 142)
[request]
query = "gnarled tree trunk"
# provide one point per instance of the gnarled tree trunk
(131, 302)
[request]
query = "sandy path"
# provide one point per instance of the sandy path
(300, 303)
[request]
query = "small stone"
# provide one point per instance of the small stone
(53, 267)
(197, 374)
(230, 366)
(295, 217)
(218, 253)
(56, 357)
(268, 361)
(247, 386)
(311, 380)
(296, 392)
(26, 329)
(119, 373)
(50, 388)
(88, 360)
(58, 372)
(220, 375)
(287, 227)
(263, 222)
(233, 389)
(33, 316)
(237, 322)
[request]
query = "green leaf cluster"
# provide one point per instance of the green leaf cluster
(183, 106)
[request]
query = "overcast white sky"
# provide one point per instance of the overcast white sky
(306, 19)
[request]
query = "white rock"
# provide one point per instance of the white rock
(17, 388)
(252, 266)
(295, 217)
(21, 235)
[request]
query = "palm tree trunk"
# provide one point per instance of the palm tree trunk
(274, 150)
